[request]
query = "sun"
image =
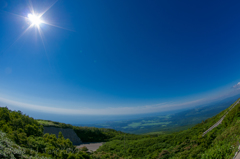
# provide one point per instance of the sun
(35, 20)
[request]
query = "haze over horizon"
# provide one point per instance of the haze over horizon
(117, 57)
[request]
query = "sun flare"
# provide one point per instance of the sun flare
(35, 20)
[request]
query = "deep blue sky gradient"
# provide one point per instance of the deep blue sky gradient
(119, 53)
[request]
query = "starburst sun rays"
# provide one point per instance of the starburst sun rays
(36, 21)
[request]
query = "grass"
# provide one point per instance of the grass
(134, 125)
(159, 123)
(46, 123)
(155, 133)
(9, 149)
(146, 123)
(165, 116)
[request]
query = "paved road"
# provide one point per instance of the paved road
(220, 121)
(238, 156)
(91, 146)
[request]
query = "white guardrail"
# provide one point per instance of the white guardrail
(237, 154)
(220, 121)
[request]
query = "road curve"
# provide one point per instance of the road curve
(220, 121)
(237, 156)
(91, 146)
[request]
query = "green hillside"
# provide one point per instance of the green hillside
(22, 137)
(86, 134)
(221, 142)
(169, 122)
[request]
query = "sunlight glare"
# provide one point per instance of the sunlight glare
(35, 20)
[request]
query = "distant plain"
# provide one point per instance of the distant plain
(170, 122)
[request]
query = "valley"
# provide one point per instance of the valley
(26, 135)
(171, 122)
(114, 79)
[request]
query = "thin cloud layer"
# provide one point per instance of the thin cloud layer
(237, 85)
(104, 111)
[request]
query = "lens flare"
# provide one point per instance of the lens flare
(35, 20)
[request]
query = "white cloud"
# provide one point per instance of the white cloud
(237, 85)
(102, 111)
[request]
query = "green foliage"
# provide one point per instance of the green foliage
(49, 123)
(92, 134)
(169, 123)
(86, 134)
(29, 140)
(84, 148)
(4, 115)
(221, 142)
(8, 149)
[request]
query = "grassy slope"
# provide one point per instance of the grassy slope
(170, 123)
(221, 142)
(9, 149)
(86, 134)
(22, 137)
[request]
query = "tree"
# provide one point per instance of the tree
(31, 129)
(60, 135)
(4, 114)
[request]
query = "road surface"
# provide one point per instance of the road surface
(91, 146)
(220, 121)
(238, 156)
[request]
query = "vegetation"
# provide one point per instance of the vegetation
(27, 139)
(49, 123)
(22, 137)
(86, 134)
(221, 142)
(92, 134)
(8, 149)
(171, 122)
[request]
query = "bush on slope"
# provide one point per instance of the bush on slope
(92, 134)
(28, 133)
(86, 134)
(221, 142)
(8, 149)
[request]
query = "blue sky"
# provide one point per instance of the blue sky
(118, 57)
